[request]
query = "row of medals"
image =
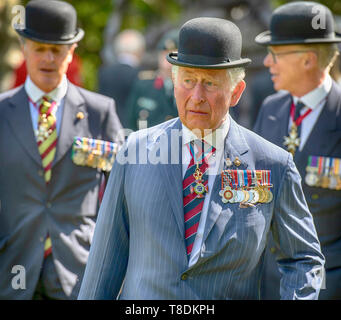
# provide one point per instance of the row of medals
(330, 181)
(88, 154)
(259, 193)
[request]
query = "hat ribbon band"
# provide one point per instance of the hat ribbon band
(200, 59)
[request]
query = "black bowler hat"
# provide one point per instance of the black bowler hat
(209, 43)
(51, 21)
(301, 22)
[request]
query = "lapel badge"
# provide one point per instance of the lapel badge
(80, 115)
(237, 162)
(228, 162)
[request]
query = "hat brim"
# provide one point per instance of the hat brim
(265, 39)
(26, 34)
(173, 59)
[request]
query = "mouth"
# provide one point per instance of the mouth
(47, 70)
(198, 113)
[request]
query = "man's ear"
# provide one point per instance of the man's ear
(311, 60)
(71, 52)
(237, 93)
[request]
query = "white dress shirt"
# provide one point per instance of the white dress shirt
(35, 94)
(315, 100)
(216, 139)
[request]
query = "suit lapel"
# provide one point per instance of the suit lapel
(73, 104)
(172, 176)
(19, 118)
(281, 121)
(235, 146)
(323, 131)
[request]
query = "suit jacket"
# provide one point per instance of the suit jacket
(149, 100)
(66, 208)
(116, 81)
(324, 204)
(139, 237)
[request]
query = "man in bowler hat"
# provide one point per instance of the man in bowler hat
(172, 225)
(304, 117)
(48, 202)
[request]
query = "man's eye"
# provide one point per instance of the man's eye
(189, 82)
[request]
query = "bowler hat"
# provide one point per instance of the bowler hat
(209, 43)
(51, 21)
(301, 22)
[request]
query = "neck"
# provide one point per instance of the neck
(309, 83)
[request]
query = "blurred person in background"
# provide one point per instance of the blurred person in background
(151, 100)
(116, 80)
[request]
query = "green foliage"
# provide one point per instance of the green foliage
(333, 5)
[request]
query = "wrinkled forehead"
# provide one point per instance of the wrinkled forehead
(217, 74)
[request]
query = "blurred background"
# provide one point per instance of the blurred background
(103, 20)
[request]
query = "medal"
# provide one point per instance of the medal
(293, 141)
(199, 188)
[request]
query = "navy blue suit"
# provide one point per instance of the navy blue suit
(324, 204)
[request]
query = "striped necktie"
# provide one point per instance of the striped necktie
(47, 142)
(47, 135)
(299, 106)
(194, 188)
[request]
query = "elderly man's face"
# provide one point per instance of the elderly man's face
(46, 63)
(203, 97)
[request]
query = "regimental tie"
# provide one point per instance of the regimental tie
(293, 140)
(195, 185)
(47, 142)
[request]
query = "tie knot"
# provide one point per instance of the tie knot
(299, 106)
(46, 104)
(202, 149)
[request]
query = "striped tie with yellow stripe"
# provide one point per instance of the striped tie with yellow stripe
(47, 142)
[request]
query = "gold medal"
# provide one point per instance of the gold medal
(324, 181)
(246, 196)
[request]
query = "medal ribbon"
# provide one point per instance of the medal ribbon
(299, 120)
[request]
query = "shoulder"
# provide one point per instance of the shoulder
(92, 99)
(10, 93)
(276, 98)
(263, 149)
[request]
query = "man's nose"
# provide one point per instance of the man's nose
(198, 93)
(268, 60)
(49, 56)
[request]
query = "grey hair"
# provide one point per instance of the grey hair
(129, 41)
(235, 75)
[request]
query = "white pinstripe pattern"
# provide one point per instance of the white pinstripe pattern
(230, 264)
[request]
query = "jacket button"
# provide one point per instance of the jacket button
(40, 173)
(49, 205)
(273, 250)
(184, 276)
(315, 196)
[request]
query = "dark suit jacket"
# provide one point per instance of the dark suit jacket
(66, 208)
(116, 81)
(324, 204)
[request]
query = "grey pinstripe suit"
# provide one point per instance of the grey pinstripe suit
(139, 236)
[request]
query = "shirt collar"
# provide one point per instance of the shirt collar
(216, 138)
(313, 98)
(36, 94)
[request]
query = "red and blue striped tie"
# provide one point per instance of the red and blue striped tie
(192, 203)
